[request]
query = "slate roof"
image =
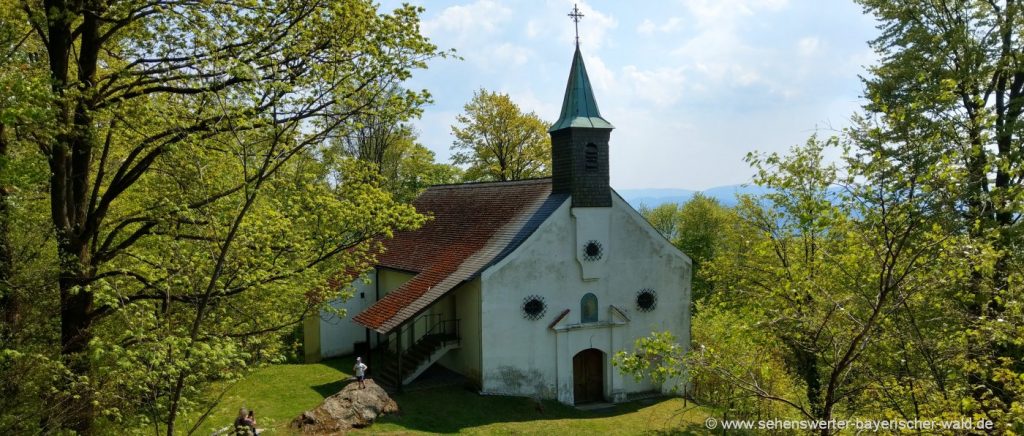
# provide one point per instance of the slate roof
(474, 225)
(579, 107)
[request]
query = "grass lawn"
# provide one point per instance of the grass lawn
(457, 410)
(279, 393)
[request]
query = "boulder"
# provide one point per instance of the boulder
(350, 408)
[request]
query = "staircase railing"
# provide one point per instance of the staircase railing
(433, 326)
(448, 328)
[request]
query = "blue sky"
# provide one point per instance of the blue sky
(691, 86)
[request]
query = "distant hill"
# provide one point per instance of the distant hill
(655, 197)
(726, 195)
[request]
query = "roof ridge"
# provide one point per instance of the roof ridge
(471, 231)
(468, 185)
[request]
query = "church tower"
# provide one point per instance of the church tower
(579, 143)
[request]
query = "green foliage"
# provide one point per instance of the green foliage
(417, 169)
(950, 92)
(698, 228)
(169, 195)
(664, 218)
(406, 166)
(499, 142)
(834, 294)
(276, 272)
(29, 366)
(381, 136)
(733, 360)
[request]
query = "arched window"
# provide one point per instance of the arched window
(588, 308)
(590, 157)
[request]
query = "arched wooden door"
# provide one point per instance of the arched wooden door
(588, 376)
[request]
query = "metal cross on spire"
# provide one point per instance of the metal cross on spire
(576, 16)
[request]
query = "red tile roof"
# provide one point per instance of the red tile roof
(474, 225)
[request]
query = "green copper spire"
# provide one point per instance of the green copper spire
(579, 109)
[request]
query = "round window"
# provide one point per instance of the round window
(646, 300)
(592, 250)
(534, 307)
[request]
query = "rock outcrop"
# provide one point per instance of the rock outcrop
(350, 408)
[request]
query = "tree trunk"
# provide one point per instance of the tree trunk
(806, 364)
(70, 159)
(10, 307)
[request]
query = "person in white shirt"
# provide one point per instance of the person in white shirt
(360, 369)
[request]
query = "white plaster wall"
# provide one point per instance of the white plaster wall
(466, 358)
(526, 357)
(337, 335)
(391, 279)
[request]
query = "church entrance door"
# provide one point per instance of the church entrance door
(588, 376)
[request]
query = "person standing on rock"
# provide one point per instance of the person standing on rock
(360, 369)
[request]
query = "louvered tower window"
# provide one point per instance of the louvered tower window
(590, 157)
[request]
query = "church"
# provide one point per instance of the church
(526, 288)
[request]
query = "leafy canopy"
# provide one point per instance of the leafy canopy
(497, 141)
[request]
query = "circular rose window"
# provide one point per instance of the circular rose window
(592, 250)
(534, 307)
(646, 300)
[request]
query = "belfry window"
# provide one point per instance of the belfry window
(588, 308)
(590, 157)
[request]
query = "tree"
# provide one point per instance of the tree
(697, 228)
(902, 294)
(376, 134)
(417, 169)
(297, 229)
(820, 280)
(27, 261)
(252, 86)
(498, 141)
(701, 229)
(953, 70)
(664, 218)
(19, 79)
(407, 168)
(383, 138)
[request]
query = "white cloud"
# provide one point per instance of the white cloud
(808, 46)
(552, 24)
(534, 29)
(467, 21)
(510, 54)
(717, 13)
(721, 57)
(597, 27)
(660, 86)
(602, 77)
(745, 77)
(544, 106)
(478, 32)
(690, 90)
(720, 53)
(648, 27)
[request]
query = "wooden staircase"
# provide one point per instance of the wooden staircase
(427, 350)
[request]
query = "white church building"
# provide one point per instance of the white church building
(525, 287)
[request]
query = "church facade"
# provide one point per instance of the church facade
(526, 287)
